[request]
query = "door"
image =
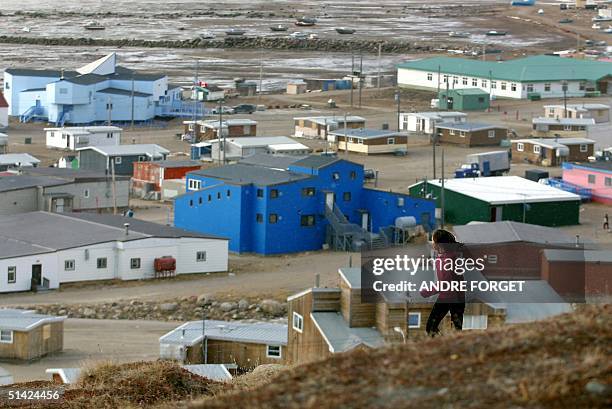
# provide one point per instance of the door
(36, 274)
(365, 223)
(496, 214)
(59, 205)
(329, 200)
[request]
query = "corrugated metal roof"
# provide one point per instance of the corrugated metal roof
(177, 163)
(505, 189)
(243, 174)
(215, 372)
(590, 256)
(254, 141)
(15, 158)
(555, 142)
(149, 149)
(123, 92)
(330, 120)
(563, 121)
(340, 337)
(18, 182)
(352, 276)
(467, 126)
(510, 232)
(271, 161)
(439, 114)
(316, 161)
(529, 69)
(24, 320)
(191, 332)
(579, 107)
(42, 232)
(364, 133)
(86, 79)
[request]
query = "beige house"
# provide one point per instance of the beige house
(563, 127)
(369, 141)
(598, 112)
(318, 127)
(25, 335)
(295, 88)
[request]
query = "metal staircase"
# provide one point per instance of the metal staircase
(347, 236)
(30, 113)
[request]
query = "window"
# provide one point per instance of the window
(582, 86)
(190, 127)
(390, 141)
(336, 176)
(520, 147)
(592, 179)
(308, 191)
(259, 192)
(101, 262)
(191, 203)
(209, 198)
(484, 83)
(200, 200)
(414, 320)
(547, 87)
(46, 331)
(259, 218)
(451, 131)
(346, 196)
(584, 148)
(445, 79)
(464, 80)
(429, 76)
(504, 86)
(135, 263)
(86, 193)
(475, 321)
(455, 79)
(273, 193)
(493, 84)
(513, 86)
(353, 175)
(400, 202)
(567, 127)
(12, 274)
(6, 336)
(481, 100)
(228, 193)
(474, 82)
(218, 195)
(608, 182)
(63, 91)
(69, 265)
(537, 149)
(462, 134)
(109, 135)
(297, 322)
(117, 160)
(200, 256)
(194, 184)
(351, 140)
(273, 351)
(529, 87)
(7, 85)
(491, 133)
(307, 220)
(272, 218)
(141, 159)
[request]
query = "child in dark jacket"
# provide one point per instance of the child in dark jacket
(452, 301)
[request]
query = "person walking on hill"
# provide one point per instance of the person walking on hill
(446, 247)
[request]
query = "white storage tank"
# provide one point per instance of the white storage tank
(405, 222)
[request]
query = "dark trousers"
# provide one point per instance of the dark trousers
(439, 311)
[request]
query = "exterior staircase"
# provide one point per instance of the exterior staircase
(347, 236)
(30, 113)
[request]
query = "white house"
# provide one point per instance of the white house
(238, 148)
(41, 249)
(17, 160)
(544, 76)
(425, 121)
(4, 108)
(599, 112)
(72, 138)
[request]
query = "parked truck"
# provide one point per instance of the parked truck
(494, 163)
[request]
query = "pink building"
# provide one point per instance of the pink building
(596, 176)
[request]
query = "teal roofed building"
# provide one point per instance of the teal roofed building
(541, 76)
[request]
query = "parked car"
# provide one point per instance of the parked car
(298, 35)
(225, 110)
(245, 109)
(369, 174)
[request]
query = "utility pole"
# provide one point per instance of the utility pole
(219, 132)
(204, 340)
(113, 185)
(442, 193)
(132, 95)
(378, 67)
(260, 77)
(439, 73)
(398, 102)
(434, 138)
(352, 75)
(345, 137)
(564, 87)
(195, 102)
(360, 76)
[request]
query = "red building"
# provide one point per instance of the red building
(148, 176)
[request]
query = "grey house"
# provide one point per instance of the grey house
(62, 190)
(121, 157)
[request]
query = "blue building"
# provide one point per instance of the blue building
(97, 92)
(280, 204)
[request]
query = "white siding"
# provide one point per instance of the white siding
(85, 259)
(24, 271)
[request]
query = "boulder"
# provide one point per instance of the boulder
(228, 306)
(205, 299)
(243, 304)
(271, 307)
(168, 307)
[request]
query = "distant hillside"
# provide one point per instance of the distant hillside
(560, 363)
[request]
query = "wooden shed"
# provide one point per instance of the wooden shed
(25, 335)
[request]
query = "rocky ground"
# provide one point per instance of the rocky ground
(206, 306)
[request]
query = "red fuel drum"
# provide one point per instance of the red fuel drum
(165, 264)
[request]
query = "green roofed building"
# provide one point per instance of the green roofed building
(541, 76)
(499, 198)
(468, 99)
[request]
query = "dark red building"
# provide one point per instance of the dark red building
(148, 176)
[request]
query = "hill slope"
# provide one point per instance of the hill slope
(560, 363)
